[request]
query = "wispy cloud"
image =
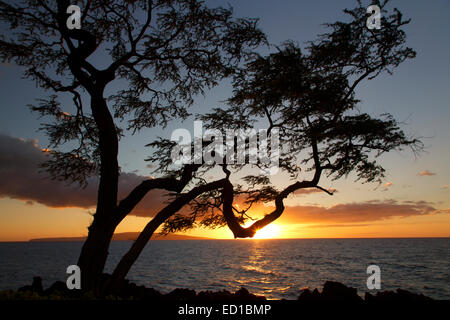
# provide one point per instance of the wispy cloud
(337, 225)
(357, 212)
(426, 173)
(387, 185)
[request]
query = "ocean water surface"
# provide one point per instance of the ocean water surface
(274, 268)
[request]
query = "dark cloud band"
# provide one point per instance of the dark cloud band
(22, 179)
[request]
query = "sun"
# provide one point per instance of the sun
(270, 231)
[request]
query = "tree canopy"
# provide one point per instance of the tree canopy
(309, 97)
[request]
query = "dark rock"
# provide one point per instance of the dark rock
(58, 287)
(151, 294)
(240, 295)
(244, 294)
(331, 291)
(181, 294)
(398, 296)
(369, 297)
(315, 294)
(305, 295)
(337, 291)
(35, 287)
(407, 295)
(223, 295)
(143, 293)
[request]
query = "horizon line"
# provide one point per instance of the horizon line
(56, 239)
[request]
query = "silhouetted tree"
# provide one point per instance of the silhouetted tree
(167, 58)
(164, 51)
(309, 96)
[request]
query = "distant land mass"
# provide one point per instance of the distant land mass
(124, 236)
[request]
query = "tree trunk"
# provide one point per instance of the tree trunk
(94, 254)
(133, 253)
(95, 249)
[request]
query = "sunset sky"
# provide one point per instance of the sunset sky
(413, 201)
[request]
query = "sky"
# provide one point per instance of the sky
(413, 201)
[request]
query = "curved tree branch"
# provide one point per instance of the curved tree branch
(127, 204)
(248, 232)
(130, 257)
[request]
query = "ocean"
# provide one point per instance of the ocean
(274, 268)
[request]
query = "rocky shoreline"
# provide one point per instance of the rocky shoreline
(331, 291)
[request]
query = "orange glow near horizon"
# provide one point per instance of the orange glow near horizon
(21, 222)
(271, 231)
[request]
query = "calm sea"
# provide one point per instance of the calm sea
(275, 268)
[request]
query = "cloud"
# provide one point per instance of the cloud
(447, 186)
(338, 225)
(357, 212)
(22, 179)
(426, 173)
(387, 185)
